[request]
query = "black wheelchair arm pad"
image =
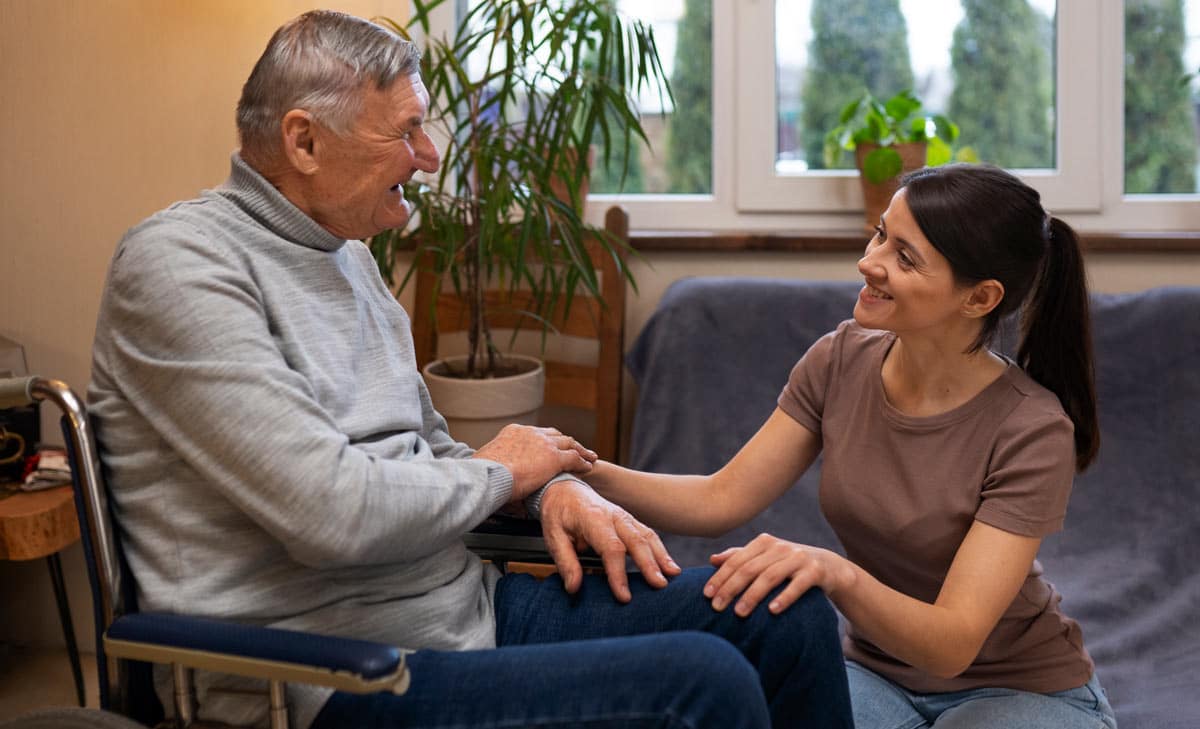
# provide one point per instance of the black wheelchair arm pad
(345, 663)
(505, 538)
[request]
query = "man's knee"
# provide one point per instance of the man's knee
(811, 620)
(812, 612)
(706, 656)
(711, 676)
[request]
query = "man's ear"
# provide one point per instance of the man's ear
(982, 298)
(299, 141)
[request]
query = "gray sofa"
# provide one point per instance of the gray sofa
(711, 361)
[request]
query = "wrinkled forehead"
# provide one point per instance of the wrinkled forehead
(403, 103)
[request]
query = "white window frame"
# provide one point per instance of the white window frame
(1073, 186)
(1087, 188)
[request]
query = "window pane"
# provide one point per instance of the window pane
(1162, 89)
(986, 64)
(679, 156)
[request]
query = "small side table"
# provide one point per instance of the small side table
(38, 524)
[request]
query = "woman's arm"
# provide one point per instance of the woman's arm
(763, 469)
(942, 638)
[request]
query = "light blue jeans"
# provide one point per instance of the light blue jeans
(878, 703)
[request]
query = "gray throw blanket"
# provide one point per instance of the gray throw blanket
(713, 358)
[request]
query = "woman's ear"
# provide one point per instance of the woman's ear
(982, 298)
(299, 140)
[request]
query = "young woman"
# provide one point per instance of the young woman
(945, 464)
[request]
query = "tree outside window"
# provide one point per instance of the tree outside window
(1160, 109)
(689, 137)
(856, 45)
(1003, 98)
(679, 157)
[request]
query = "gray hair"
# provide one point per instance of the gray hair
(319, 62)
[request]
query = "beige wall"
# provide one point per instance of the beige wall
(111, 110)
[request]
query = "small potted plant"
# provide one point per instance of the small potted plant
(888, 139)
(526, 95)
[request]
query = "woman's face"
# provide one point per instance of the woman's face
(910, 288)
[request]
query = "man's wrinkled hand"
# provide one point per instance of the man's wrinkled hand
(574, 517)
(535, 455)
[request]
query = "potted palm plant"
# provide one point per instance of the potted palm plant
(889, 138)
(524, 95)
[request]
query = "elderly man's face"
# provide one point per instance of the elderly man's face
(357, 188)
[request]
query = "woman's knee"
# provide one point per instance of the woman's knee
(878, 703)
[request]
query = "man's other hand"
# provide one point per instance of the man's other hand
(535, 455)
(575, 516)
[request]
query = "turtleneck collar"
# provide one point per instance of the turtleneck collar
(257, 197)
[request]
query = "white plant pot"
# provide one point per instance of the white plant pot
(476, 410)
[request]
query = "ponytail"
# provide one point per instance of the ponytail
(1056, 342)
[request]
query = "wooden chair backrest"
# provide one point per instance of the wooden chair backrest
(594, 388)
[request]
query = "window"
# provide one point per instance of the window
(1162, 91)
(1061, 165)
(1086, 152)
(986, 64)
(679, 158)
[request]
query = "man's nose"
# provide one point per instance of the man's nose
(427, 156)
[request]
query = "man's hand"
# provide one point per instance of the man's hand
(535, 455)
(575, 516)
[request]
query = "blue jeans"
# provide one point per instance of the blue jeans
(881, 704)
(666, 659)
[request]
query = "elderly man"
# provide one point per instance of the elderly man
(275, 458)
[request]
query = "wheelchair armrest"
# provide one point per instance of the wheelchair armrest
(346, 664)
(503, 538)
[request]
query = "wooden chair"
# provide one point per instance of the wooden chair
(593, 389)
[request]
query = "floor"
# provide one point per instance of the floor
(38, 677)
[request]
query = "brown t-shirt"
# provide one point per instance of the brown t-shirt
(902, 491)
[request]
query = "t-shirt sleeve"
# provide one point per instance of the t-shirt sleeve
(803, 397)
(1031, 474)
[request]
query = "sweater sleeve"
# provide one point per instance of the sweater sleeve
(187, 338)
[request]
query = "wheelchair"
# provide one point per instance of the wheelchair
(129, 641)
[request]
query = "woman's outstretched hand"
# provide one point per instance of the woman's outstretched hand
(766, 562)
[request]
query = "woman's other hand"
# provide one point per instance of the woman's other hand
(766, 562)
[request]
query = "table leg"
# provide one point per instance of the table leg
(64, 616)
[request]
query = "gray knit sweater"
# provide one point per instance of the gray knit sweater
(273, 453)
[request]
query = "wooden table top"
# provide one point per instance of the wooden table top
(37, 524)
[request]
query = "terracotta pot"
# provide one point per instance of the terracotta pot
(878, 195)
(476, 410)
